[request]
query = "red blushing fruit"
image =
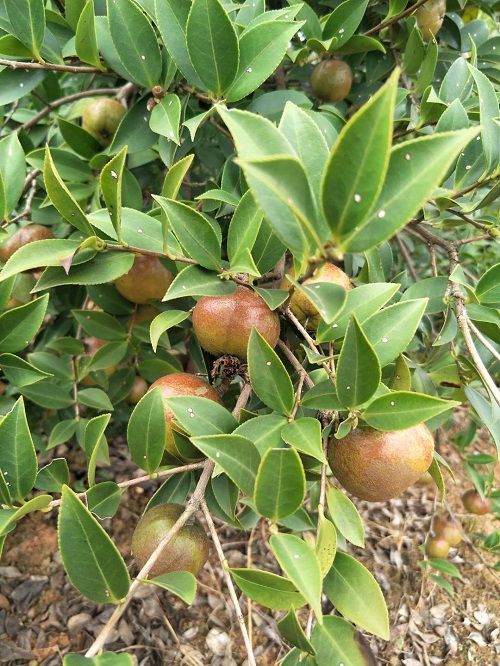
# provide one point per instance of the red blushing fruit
(474, 503)
(437, 547)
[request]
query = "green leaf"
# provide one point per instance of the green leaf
(236, 455)
(433, 289)
(175, 176)
(103, 499)
(280, 486)
(48, 252)
(414, 52)
(17, 453)
(86, 37)
(105, 659)
(326, 543)
(53, 476)
(268, 375)
(95, 398)
(12, 170)
(62, 198)
(91, 560)
(108, 355)
(104, 267)
(488, 286)
(16, 83)
(355, 593)
(196, 281)
(95, 444)
(410, 181)
(264, 431)
(194, 231)
(401, 376)
(201, 416)
(262, 48)
(299, 562)
(243, 229)
(212, 45)
(305, 435)
(180, 583)
(435, 471)
(111, 182)
(165, 118)
(355, 171)
(403, 409)
(19, 372)
(78, 139)
(391, 330)
(146, 431)
(163, 322)
(100, 325)
(488, 114)
(19, 326)
(346, 516)
(322, 396)
(135, 42)
(358, 369)
(343, 21)
(27, 19)
(337, 641)
(268, 589)
(290, 628)
(328, 298)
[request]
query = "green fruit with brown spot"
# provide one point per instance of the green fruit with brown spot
(146, 281)
(437, 547)
(430, 17)
(181, 384)
(474, 503)
(377, 466)
(28, 234)
(447, 529)
(101, 119)
(222, 324)
(187, 551)
(301, 306)
(331, 80)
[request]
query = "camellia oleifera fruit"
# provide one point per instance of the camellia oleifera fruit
(138, 390)
(447, 529)
(331, 80)
(147, 280)
(305, 311)
(377, 466)
(222, 324)
(430, 17)
(474, 503)
(28, 234)
(437, 547)
(101, 118)
(181, 383)
(187, 551)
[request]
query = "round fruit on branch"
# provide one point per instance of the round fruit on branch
(305, 311)
(447, 529)
(223, 324)
(147, 280)
(377, 466)
(331, 80)
(188, 549)
(101, 118)
(437, 547)
(181, 383)
(25, 235)
(430, 17)
(474, 503)
(138, 390)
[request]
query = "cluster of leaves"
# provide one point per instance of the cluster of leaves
(221, 170)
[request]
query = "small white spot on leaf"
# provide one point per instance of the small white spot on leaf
(385, 340)
(407, 157)
(114, 174)
(357, 198)
(381, 214)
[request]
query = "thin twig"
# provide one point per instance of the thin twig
(302, 373)
(407, 258)
(75, 69)
(394, 19)
(484, 341)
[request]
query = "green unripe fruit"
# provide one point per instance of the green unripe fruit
(474, 503)
(331, 80)
(430, 17)
(147, 280)
(223, 324)
(437, 547)
(377, 466)
(186, 551)
(101, 119)
(138, 390)
(447, 529)
(28, 234)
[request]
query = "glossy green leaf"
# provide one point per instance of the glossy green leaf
(27, 19)
(201, 416)
(403, 409)
(428, 68)
(358, 368)
(414, 52)
(236, 455)
(53, 476)
(355, 171)
(48, 252)
(355, 593)
(328, 298)
(291, 629)
(180, 583)
(62, 198)
(95, 398)
(91, 560)
(17, 453)
(410, 181)
(243, 229)
(488, 113)
(432, 289)
(111, 182)
(108, 355)
(457, 83)
(16, 83)
(264, 431)
(86, 37)
(346, 516)
(95, 444)
(401, 376)
(165, 118)
(105, 267)
(135, 42)
(146, 431)
(175, 176)
(19, 372)
(435, 471)
(326, 544)
(268, 589)
(163, 322)
(268, 375)
(343, 21)
(262, 48)
(488, 286)
(174, 489)
(337, 642)
(103, 499)
(78, 139)
(196, 281)
(134, 130)
(212, 45)
(12, 170)
(305, 435)
(322, 396)
(298, 560)
(19, 325)
(280, 486)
